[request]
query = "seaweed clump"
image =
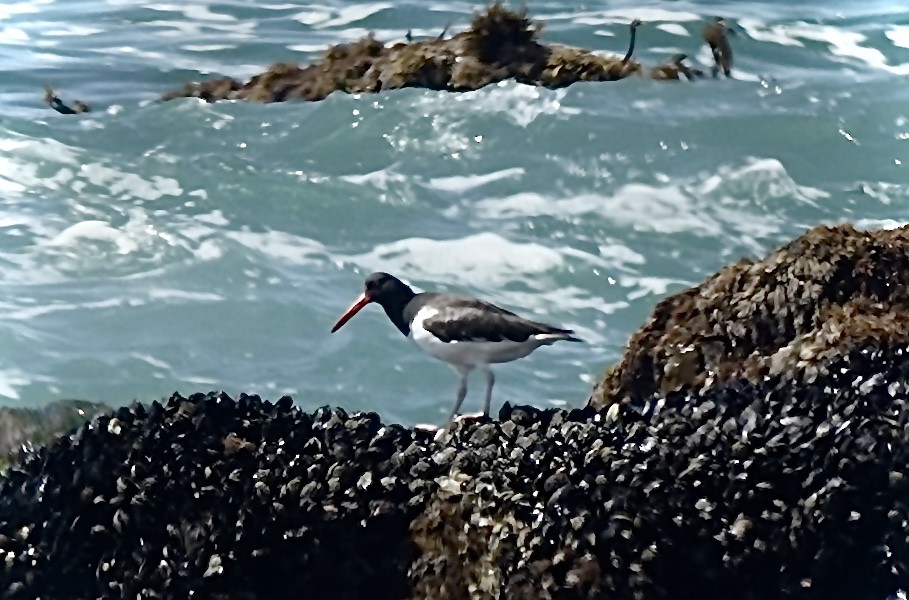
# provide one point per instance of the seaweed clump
(499, 44)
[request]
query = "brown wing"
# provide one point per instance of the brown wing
(466, 319)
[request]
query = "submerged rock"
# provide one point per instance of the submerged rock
(500, 44)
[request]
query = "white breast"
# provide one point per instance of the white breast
(470, 354)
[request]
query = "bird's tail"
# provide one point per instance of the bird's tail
(570, 337)
(557, 335)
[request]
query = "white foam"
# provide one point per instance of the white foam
(186, 29)
(483, 260)
(199, 380)
(650, 286)
(379, 179)
(172, 294)
(209, 250)
(94, 230)
(842, 43)
(673, 29)
(533, 204)
(312, 17)
(280, 245)
(885, 193)
(207, 47)
(766, 178)
(17, 8)
(465, 183)
(669, 209)
(775, 34)
(308, 48)
(872, 224)
(899, 35)
(20, 161)
(96, 244)
(28, 313)
(38, 149)
(519, 103)
(10, 379)
(151, 360)
(621, 255)
(195, 11)
(68, 30)
(130, 51)
(335, 17)
(7, 186)
(215, 217)
(129, 185)
(624, 16)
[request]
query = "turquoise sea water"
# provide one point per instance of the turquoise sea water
(150, 247)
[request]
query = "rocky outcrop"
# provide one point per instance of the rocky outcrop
(827, 295)
(782, 470)
(29, 426)
(500, 44)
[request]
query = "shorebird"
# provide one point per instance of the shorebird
(715, 34)
(465, 332)
(625, 67)
(674, 69)
(54, 101)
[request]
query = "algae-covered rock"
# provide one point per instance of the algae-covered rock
(816, 299)
(500, 44)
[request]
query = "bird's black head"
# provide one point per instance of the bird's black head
(387, 291)
(382, 287)
(679, 58)
(724, 25)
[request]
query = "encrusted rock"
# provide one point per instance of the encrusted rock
(832, 292)
(499, 44)
(20, 426)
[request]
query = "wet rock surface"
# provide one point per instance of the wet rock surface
(500, 44)
(227, 498)
(766, 490)
(786, 479)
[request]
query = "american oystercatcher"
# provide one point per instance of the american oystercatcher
(465, 332)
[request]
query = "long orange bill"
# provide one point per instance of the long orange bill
(359, 303)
